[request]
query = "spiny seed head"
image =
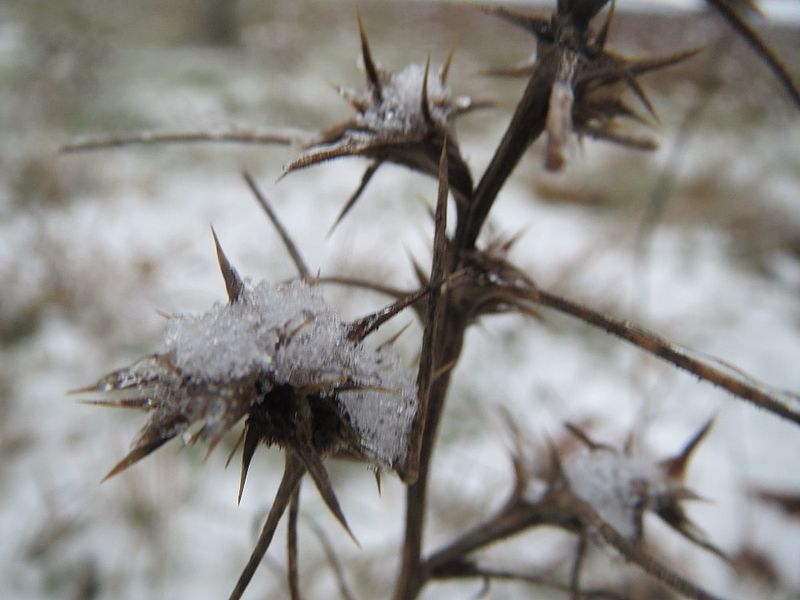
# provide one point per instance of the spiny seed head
(620, 485)
(586, 97)
(270, 352)
(401, 117)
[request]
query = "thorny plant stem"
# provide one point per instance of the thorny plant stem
(526, 125)
(410, 580)
(785, 404)
(509, 520)
(436, 341)
(635, 554)
(759, 46)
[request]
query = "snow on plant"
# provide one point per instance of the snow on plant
(621, 485)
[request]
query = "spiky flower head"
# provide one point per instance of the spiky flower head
(584, 82)
(621, 485)
(401, 117)
(245, 357)
(283, 360)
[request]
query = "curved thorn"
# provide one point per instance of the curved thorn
(424, 103)
(238, 443)
(602, 36)
(675, 467)
(138, 453)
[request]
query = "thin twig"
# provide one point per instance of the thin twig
(364, 284)
(287, 240)
(782, 403)
(236, 136)
(333, 560)
(292, 569)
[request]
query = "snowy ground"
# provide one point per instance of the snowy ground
(94, 246)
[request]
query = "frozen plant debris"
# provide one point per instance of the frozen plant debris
(401, 117)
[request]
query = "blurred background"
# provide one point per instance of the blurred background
(699, 240)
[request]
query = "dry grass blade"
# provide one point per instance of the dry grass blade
(292, 473)
(278, 136)
(285, 238)
(365, 284)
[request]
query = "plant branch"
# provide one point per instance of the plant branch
(431, 398)
(759, 46)
(291, 248)
(527, 124)
(282, 137)
(783, 403)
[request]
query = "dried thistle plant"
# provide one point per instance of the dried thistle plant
(281, 359)
(597, 493)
